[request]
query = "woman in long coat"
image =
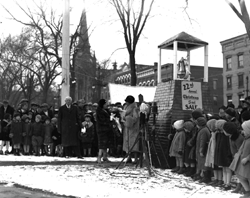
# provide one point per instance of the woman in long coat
(69, 126)
(103, 128)
(131, 129)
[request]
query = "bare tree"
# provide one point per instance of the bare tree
(13, 67)
(242, 14)
(46, 37)
(133, 22)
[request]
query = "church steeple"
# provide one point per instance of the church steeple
(84, 66)
(83, 33)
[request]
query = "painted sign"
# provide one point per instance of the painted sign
(191, 95)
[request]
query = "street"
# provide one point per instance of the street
(12, 191)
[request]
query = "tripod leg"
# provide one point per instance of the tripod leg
(157, 156)
(130, 151)
(149, 153)
(162, 151)
(146, 157)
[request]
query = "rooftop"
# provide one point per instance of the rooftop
(185, 42)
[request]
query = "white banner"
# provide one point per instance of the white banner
(191, 95)
(118, 93)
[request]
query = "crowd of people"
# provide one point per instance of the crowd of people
(204, 147)
(214, 146)
(77, 129)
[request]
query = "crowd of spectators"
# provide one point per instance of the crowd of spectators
(77, 129)
(211, 148)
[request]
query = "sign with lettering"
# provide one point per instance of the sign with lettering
(191, 95)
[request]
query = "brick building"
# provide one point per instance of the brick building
(236, 61)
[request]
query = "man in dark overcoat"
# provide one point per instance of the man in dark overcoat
(6, 108)
(69, 125)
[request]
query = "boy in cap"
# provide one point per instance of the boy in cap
(37, 135)
(26, 134)
(16, 133)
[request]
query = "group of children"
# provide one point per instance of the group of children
(38, 137)
(216, 147)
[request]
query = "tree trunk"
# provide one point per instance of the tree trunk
(132, 68)
(45, 95)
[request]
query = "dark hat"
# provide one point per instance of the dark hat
(24, 101)
(34, 104)
(130, 99)
(247, 98)
(196, 114)
(16, 114)
(85, 104)
(102, 102)
(231, 105)
(245, 101)
(87, 115)
(230, 128)
(118, 104)
(223, 107)
(245, 115)
(44, 105)
(189, 125)
(201, 121)
(230, 111)
(5, 102)
(239, 107)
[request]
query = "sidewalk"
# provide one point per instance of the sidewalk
(85, 178)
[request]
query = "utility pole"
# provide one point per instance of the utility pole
(65, 53)
(247, 85)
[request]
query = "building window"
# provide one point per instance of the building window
(229, 63)
(229, 82)
(215, 99)
(241, 98)
(240, 60)
(214, 84)
(240, 80)
(229, 100)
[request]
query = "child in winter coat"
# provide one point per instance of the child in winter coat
(56, 138)
(202, 141)
(189, 127)
(5, 133)
(236, 140)
(26, 134)
(211, 124)
(87, 135)
(223, 155)
(177, 146)
(241, 162)
(16, 133)
(47, 131)
(37, 135)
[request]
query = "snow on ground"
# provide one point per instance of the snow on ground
(85, 178)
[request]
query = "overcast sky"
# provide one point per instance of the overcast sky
(212, 21)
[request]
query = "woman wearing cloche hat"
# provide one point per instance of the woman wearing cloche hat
(131, 129)
(103, 127)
